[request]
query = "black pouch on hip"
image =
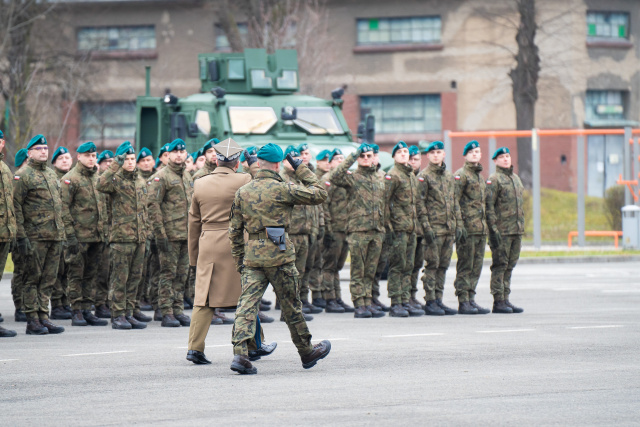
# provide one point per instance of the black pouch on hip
(276, 235)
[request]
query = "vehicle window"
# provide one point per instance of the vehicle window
(203, 121)
(318, 120)
(256, 120)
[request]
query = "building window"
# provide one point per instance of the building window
(117, 38)
(222, 42)
(607, 26)
(604, 105)
(385, 31)
(107, 120)
(282, 40)
(404, 113)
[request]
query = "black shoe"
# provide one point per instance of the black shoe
(264, 350)
(216, 320)
(1, 318)
(277, 305)
(7, 333)
(59, 313)
(448, 311)
(397, 310)
(19, 316)
(52, 327)
(183, 319)
(467, 308)
(157, 315)
(481, 310)
(415, 303)
(319, 302)
(188, 303)
(145, 306)
(141, 317)
(135, 324)
(120, 322)
(362, 313)
(431, 308)
(93, 320)
(169, 321)
(320, 351)
(67, 308)
(263, 318)
(103, 312)
(347, 307)
(242, 365)
(513, 307)
(218, 314)
(227, 310)
(265, 302)
(374, 311)
(378, 305)
(264, 307)
(34, 327)
(501, 307)
(307, 317)
(78, 319)
(312, 308)
(197, 357)
(334, 307)
(413, 312)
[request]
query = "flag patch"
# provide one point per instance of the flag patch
(327, 183)
(349, 172)
(421, 179)
(66, 181)
(387, 177)
(489, 182)
(16, 177)
(156, 179)
(457, 177)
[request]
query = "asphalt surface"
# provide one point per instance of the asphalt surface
(572, 358)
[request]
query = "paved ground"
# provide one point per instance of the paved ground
(571, 359)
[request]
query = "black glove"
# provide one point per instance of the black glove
(358, 152)
(154, 247)
(120, 158)
(293, 162)
(495, 239)
(329, 238)
(163, 244)
(24, 246)
(429, 237)
(250, 158)
(13, 245)
(72, 245)
(461, 235)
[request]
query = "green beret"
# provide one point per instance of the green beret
(106, 154)
(1, 135)
(365, 148)
(199, 153)
(21, 156)
(414, 151)
(335, 152)
(293, 151)
(303, 147)
(398, 146)
(194, 156)
(499, 151)
(324, 155)
(177, 144)
(37, 140)
(87, 147)
(145, 152)
(209, 144)
(435, 145)
(125, 148)
(271, 153)
(470, 146)
(59, 150)
(164, 149)
(158, 163)
(376, 149)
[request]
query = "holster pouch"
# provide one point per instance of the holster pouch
(276, 235)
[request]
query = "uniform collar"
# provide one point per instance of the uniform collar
(85, 170)
(475, 168)
(130, 175)
(36, 164)
(177, 168)
(367, 170)
(407, 169)
(438, 168)
(268, 174)
(506, 171)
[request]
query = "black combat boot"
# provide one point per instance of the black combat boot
(265, 302)
(157, 315)
(362, 313)
(347, 307)
(224, 320)
(413, 312)
(374, 311)
(378, 305)
(413, 302)
(263, 318)
(397, 310)
(513, 307)
(34, 327)
(334, 307)
(320, 351)
(277, 305)
(242, 365)
(52, 327)
(197, 357)
(103, 312)
(183, 319)
(481, 310)
(312, 308)
(431, 308)
(145, 306)
(7, 333)
(187, 303)
(67, 308)
(307, 317)
(501, 307)
(135, 323)
(169, 321)
(319, 302)
(141, 317)
(120, 322)
(264, 307)
(93, 320)
(19, 316)
(59, 313)
(264, 350)
(447, 311)
(467, 308)
(78, 319)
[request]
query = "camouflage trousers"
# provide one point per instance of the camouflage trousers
(126, 272)
(41, 270)
(60, 293)
(504, 260)
(301, 245)
(285, 281)
(401, 255)
(17, 281)
(365, 250)
(469, 266)
(437, 257)
(383, 260)
(4, 254)
(174, 267)
(82, 273)
(101, 295)
(311, 278)
(333, 258)
(153, 278)
(190, 286)
(140, 294)
(418, 261)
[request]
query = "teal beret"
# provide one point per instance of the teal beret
(365, 148)
(376, 148)
(271, 153)
(499, 151)
(37, 140)
(59, 150)
(164, 149)
(303, 147)
(199, 153)
(324, 155)
(399, 145)
(145, 152)
(177, 144)
(252, 150)
(470, 146)
(1, 135)
(158, 163)
(335, 152)
(414, 150)
(106, 154)
(194, 156)
(125, 148)
(435, 145)
(209, 144)
(21, 156)
(87, 147)
(292, 150)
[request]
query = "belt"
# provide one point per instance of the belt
(262, 235)
(210, 226)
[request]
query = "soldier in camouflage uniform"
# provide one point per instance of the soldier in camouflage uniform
(383, 260)
(84, 216)
(505, 219)
(105, 159)
(405, 214)
(210, 159)
(470, 192)
(263, 208)
(17, 281)
(7, 222)
(40, 232)
(169, 201)
(128, 237)
(415, 160)
(365, 226)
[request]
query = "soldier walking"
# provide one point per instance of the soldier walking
(7, 222)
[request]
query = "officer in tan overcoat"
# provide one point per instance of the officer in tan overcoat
(217, 281)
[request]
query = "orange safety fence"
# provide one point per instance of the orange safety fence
(628, 183)
(541, 132)
(615, 234)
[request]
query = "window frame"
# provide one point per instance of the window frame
(98, 110)
(398, 45)
(392, 118)
(605, 41)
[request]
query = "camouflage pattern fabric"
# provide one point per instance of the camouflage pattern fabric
(154, 279)
(504, 261)
(470, 192)
(82, 271)
(41, 269)
(314, 269)
(437, 257)
(83, 207)
(101, 294)
(401, 253)
(17, 281)
(126, 271)
(437, 187)
(174, 268)
(469, 266)
(418, 262)
(383, 261)
(60, 291)
(301, 245)
(8, 227)
(169, 200)
(302, 216)
(403, 200)
(505, 202)
(365, 250)
(333, 260)
(4, 254)
(205, 170)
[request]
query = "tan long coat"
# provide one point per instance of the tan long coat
(209, 246)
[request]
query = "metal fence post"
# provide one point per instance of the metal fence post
(535, 172)
(581, 191)
(492, 149)
(627, 163)
(447, 150)
(635, 154)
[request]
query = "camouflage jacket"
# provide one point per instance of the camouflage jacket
(128, 198)
(170, 195)
(505, 204)
(470, 192)
(7, 213)
(403, 201)
(326, 206)
(59, 173)
(419, 227)
(267, 201)
(83, 207)
(38, 208)
(302, 216)
(438, 191)
(205, 170)
(318, 214)
(365, 205)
